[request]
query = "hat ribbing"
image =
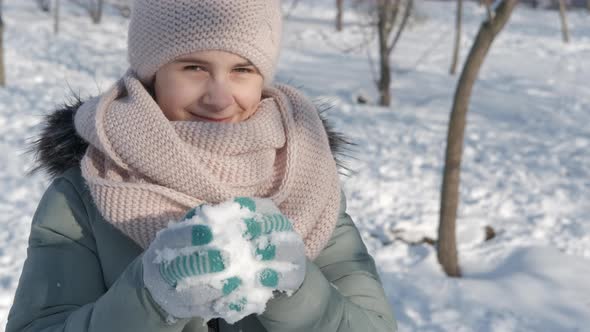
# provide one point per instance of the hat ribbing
(161, 30)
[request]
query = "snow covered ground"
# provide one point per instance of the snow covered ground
(525, 172)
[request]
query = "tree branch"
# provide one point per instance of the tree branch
(402, 26)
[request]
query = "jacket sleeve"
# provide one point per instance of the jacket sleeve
(61, 287)
(341, 292)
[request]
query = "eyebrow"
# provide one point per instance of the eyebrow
(189, 59)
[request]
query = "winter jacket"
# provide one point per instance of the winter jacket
(82, 274)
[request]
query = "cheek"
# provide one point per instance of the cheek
(172, 94)
(249, 98)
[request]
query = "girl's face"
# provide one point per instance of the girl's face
(208, 86)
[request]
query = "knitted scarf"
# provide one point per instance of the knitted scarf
(144, 171)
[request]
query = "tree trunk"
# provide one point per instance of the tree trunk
(403, 24)
(339, 13)
(458, 22)
(44, 5)
(287, 14)
(2, 72)
(387, 13)
(96, 11)
(385, 71)
(385, 79)
(564, 29)
(56, 16)
(447, 247)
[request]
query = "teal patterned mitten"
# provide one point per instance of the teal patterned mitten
(183, 269)
(274, 259)
(275, 244)
(224, 260)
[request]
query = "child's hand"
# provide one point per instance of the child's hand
(224, 260)
(276, 244)
(180, 269)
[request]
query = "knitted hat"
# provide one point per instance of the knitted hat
(162, 30)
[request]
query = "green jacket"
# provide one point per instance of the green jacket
(82, 274)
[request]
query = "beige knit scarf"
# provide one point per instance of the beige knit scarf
(144, 170)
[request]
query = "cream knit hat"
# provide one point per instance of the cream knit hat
(161, 30)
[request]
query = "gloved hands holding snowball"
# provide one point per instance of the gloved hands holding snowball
(224, 260)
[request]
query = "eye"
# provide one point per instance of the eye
(193, 68)
(245, 70)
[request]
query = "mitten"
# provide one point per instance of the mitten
(274, 259)
(183, 269)
(276, 244)
(224, 261)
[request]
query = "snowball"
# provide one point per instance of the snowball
(227, 226)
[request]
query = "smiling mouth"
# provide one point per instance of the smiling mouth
(204, 118)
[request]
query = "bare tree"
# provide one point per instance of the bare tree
(387, 14)
(56, 16)
(95, 8)
(447, 246)
(292, 7)
(458, 21)
(564, 28)
(339, 13)
(123, 7)
(2, 73)
(44, 5)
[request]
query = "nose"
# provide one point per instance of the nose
(218, 96)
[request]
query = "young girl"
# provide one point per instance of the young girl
(195, 122)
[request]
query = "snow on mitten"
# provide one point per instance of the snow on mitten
(273, 260)
(183, 269)
(224, 260)
(276, 244)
